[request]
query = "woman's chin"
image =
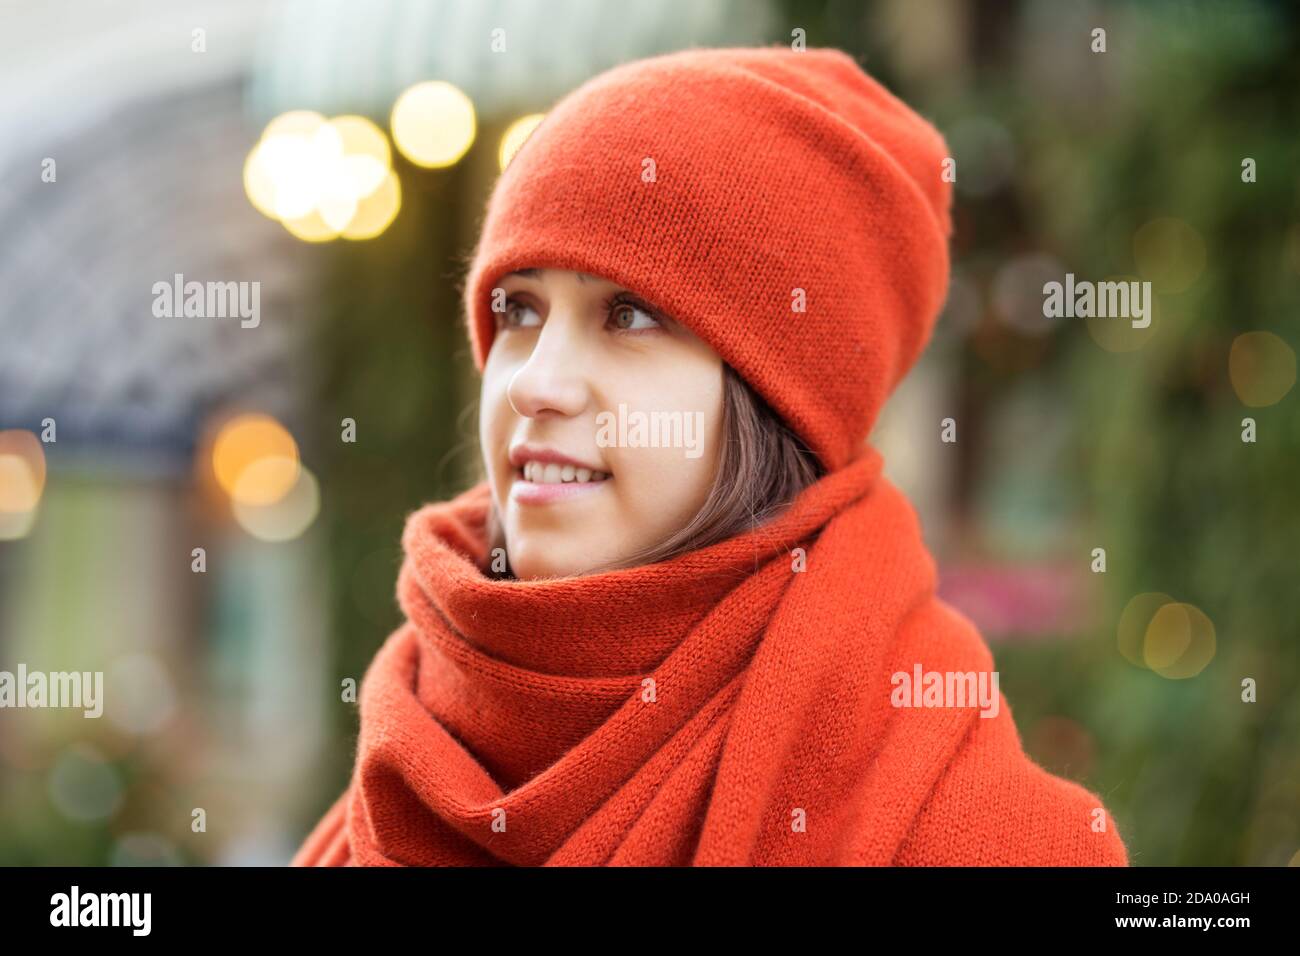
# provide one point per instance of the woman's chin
(534, 557)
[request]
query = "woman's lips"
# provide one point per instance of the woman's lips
(545, 476)
(543, 493)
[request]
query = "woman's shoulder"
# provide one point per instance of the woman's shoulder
(994, 806)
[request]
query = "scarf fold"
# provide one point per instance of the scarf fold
(731, 706)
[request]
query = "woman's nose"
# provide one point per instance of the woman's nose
(552, 379)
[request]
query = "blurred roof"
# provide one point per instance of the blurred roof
(149, 139)
(335, 56)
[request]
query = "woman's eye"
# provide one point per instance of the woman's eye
(518, 315)
(628, 318)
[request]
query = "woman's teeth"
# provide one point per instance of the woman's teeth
(553, 474)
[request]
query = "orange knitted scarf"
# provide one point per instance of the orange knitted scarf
(732, 706)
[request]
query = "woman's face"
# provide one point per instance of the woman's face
(599, 421)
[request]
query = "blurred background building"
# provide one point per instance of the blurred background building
(338, 155)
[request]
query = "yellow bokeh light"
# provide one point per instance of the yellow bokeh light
(1179, 641)
(515, 136)
(336, 211)
(313, 175)
(1133, 622)
(284, 519)
(22, 481)
(1262, 368)
(366, 156)
(302, 123)
(18, 490)
(259, 183)
(266, 480)
(255, 460)
(22, 470)
(311, 228)
(282, 171)
(433, 124)
(376, 211)
(1167, 637)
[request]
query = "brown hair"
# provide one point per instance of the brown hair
(762, 467)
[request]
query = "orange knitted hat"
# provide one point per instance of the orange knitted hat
(781, 204)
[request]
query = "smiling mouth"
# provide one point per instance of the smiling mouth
(545, 483)
(543, 473)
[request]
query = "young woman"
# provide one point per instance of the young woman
(685, 620)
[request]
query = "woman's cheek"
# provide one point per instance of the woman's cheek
(495, 419)
(665, 488)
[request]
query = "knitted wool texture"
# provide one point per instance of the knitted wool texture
(733, 705)
(715, 709)
(783, 205)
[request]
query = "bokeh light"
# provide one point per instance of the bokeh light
(255, 459)
(278, 177)
(22, 481)
(1261, 366)
(286, 518)
(260, 178)
(1133, 622)
(266, 480)
(311, 228)
(314, 175)
(294, 123)
(366, 156)
(516, 135)
(1179, 641)
(433, 124)
(376, 211)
